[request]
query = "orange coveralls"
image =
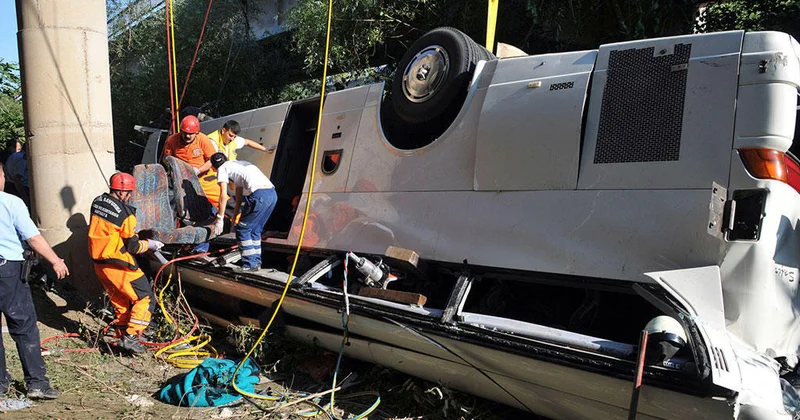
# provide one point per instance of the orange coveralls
(112, 243)
(196, 153)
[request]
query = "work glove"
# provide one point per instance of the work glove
(153, 245)
(218, 225)
(196, 170)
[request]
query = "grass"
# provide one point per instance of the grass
(96, 385)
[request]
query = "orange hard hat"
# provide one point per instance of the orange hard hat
(122, 181)
(190, 124)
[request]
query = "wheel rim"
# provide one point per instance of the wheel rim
(424, 75)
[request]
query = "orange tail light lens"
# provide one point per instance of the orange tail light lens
(764, 163)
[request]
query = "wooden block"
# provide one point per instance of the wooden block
(407, 261)
(393, 296)
(402, 254)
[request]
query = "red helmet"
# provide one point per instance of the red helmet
(122, 181)
(190, 124)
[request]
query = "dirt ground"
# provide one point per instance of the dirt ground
(100, 384)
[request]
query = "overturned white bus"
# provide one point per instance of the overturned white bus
(557, 204)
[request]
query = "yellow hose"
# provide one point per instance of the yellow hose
(183, 354)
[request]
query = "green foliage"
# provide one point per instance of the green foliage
(589, 23)
(12, 124)
(361, 30)
(244, 337)
(368, 33)
(371, 33)
(233, 72)
(754, 15)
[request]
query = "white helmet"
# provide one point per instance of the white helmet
(665, 338)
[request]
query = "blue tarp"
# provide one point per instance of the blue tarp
(209, 384)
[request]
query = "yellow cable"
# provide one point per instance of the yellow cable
(305, 214)
(186, 357)
(174, 65)
(491, 24)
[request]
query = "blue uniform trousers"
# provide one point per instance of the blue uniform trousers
(16, 304)
(256, 209)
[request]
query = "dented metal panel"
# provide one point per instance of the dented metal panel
(760, 279)
(551, 231)
(699, 290)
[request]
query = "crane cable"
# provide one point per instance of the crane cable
(169, 70)
(174, 83)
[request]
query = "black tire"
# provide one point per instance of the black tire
(450, 84)
(485, 54)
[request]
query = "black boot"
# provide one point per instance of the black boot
(43, 393)
(131, 344)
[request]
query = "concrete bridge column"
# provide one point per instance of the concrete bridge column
(63, 48)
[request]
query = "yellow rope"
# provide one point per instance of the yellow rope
(305, 214)
(491, 24)
(174, 65)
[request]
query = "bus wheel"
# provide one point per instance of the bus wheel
(434, 74)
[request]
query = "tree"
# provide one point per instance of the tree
(233, 72)
(752, 15)
(12, 124)
(371, 32)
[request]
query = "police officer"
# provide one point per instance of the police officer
(15, 294)
(113, 245)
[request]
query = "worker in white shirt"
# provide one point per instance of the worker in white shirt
(255, 196)
(228, 141)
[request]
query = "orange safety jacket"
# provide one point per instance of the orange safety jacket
(111, 233)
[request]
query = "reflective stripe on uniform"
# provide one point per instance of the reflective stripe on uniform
(251, 251)
(120, 263)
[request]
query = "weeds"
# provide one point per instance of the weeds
(243, 338)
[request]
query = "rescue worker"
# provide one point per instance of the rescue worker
(255, 196)
(194, 148)
(16, 302)
(227, 140)
(112, 245)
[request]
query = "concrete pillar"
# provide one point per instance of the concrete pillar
(63, 50)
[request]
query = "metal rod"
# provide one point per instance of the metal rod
(637, 379)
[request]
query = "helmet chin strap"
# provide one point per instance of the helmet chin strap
(123, 196)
